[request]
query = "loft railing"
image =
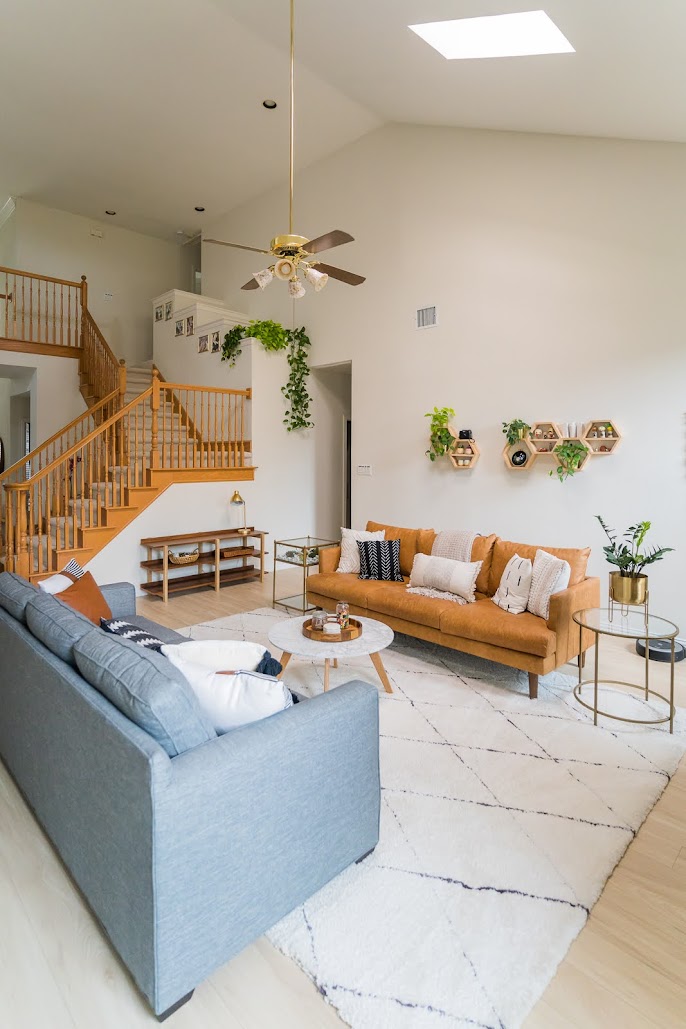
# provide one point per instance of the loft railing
(39, 309)
(49, 513)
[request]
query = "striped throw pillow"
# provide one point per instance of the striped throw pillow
(380, 559)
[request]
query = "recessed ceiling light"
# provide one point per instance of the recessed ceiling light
(111, 213)
(498, 35)
(199, 208)
(269, 104)
(180, 232)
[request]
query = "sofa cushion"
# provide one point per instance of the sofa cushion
(56, 625)
(482, 550)
(350, 588)
(485, 622)
(409, 539)
(394, 600)
(146, 688)
(15, 594)
(504, 550)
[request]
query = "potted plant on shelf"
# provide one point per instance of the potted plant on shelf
(441, 438)
(515, 430)
(629, 585)
(570, 455)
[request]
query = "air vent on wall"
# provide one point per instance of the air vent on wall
(426, 317)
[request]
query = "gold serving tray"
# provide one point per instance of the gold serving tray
(353, 632)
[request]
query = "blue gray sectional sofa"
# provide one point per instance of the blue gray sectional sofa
(183, 859)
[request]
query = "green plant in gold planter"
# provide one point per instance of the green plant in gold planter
(629, 584)
(441, 438)
(570, 455)
(515, 430)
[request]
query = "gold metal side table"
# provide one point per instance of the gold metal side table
(302, 552)
(632, 626)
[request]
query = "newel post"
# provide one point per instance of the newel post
(155, 407)
(122, 381)
(16, 513)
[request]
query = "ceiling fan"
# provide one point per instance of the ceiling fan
(293, 253)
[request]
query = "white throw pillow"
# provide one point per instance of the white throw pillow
(440, 573)
(550, 575)
(219, 655)
(60, 582)
(350, 556)
(231, 700)
(513, 592)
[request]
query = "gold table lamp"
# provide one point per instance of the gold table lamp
(237, 499)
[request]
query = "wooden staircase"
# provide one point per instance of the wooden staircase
(72, 495)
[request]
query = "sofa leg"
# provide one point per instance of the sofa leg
(175, 1007)
(533, 686)
(365, 856)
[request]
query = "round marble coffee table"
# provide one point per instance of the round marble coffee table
(288, 637)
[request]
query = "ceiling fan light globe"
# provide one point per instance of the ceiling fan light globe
(296, 288)
(284, 269)
(263, 278)
(316, 279)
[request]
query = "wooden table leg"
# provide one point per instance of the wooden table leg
(378, 664)
(335, 662)
(285, 658)
(327, 664)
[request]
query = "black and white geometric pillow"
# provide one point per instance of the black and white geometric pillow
(380, 559)
(73, 568)
(131, 632)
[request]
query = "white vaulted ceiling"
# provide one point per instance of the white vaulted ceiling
(150, 107)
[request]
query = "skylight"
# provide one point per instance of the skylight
(498, 35)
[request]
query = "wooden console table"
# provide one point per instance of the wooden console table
(214, 548)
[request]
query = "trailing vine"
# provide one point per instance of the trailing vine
(274, 337)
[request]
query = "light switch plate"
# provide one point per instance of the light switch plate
(364, 469)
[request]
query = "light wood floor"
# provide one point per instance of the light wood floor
(626, 970)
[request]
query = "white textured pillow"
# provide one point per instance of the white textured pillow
(61, 582)
(513, 592)
(218, 655)
(230, 701)
(440, 573)
(350, 555)
(550, 575)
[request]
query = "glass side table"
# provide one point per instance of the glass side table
(302, 552)
(631, 626)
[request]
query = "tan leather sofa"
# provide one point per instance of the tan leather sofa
(521, 641)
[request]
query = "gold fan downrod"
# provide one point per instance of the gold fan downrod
(292, 107)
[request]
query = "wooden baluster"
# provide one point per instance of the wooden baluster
(155, 406)
(242, 432)
(215, 398)
(79, 339)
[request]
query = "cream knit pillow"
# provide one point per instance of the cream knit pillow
(550, 575)
(350, 556)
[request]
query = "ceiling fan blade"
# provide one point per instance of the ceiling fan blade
(250, 284)
(237, 246)
(338, 273)
(330, 239)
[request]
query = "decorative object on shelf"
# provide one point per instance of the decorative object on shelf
(184, 557)
(237, 501)
(441, 437)
(629, 585)
(293, 253)
(168, 311)
(515, 430)
(465, 434)
(190, 322)
(203, 344)
(274, 337)
(519, 458)
(571, 455)
(178, 330)
(343, 614)
(318, 620)
(601, 436)
(216, 345)
(159, 313)
(304, 553)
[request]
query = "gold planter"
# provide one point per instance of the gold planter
(629, 591)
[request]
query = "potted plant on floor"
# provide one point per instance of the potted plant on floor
(570, 456)
(629, 585)
(441, 438)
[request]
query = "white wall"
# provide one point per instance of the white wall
(54, 386)
(131, 266)
(8, 235)
(5, 419)
(558, 268)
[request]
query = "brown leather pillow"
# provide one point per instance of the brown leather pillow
(86, 597)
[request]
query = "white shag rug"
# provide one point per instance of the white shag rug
(502, 819)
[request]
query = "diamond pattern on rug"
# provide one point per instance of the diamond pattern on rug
(501, 821)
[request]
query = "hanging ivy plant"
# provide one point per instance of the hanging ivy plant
(440, 436)
(274, 337)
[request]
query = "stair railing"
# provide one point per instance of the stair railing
(54, 511)
(40, 309)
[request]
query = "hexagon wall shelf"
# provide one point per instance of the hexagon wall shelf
(601, 436)
(465, 453)
(521, 446)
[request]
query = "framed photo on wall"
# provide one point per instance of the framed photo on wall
(168, 311)
(202, 344)
(178, 331)
(189, 325)
(159, 314)
(215, 343)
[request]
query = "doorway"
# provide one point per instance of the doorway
(332, 416)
